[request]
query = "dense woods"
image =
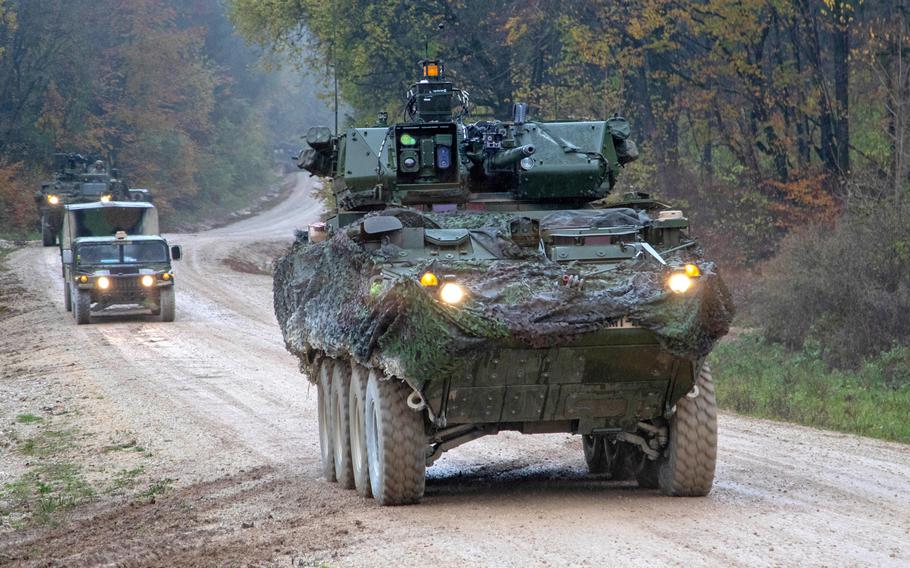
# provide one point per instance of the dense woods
(161, 88)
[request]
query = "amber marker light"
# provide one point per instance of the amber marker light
(147, 280)
(692, 271)
(451, 293)
(431, 70)
(429, 279)
(166, 276)
(83, 279)
(105, 198)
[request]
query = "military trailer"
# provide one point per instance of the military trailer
(479, 277)
(114, 261)
(78, 180)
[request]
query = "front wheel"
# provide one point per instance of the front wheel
(167, 304)
(396, 443)
(686, 468)
(82, 306)
(67, 295)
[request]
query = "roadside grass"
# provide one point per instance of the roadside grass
(44, 490)
(766, 380)
(28, 418)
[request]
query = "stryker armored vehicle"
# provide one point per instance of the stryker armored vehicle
(476, 277)
(115, 262)
(79, 180)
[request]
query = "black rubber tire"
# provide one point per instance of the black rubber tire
(686, 467)
(341, 441)
(595, 453)
(358, 434)
(82, 306)
(396, 443)
(67, 295)
(48, 237)
(646, 472)
(167, 304)
(324, 400)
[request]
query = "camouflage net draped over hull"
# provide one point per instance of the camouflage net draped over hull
(338, 298)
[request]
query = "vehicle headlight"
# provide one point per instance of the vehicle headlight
(452, 293)
(53, 199)
(105, 198)
(147, 280)
(103, 282)
(679, 282)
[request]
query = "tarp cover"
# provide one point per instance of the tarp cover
(338, 298)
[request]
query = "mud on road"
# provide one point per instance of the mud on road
(195, 444)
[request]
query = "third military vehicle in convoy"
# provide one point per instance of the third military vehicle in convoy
(477, 277)
(79, 180)
(115, 262)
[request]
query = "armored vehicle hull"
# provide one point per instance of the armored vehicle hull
(473, 279)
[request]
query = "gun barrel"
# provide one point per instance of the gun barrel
(511, 156)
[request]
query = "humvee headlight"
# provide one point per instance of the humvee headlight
(147, 280)
(451, 293)
(105, 198)
(692, 271)
(103, 282)
(429, 279)
(679, 282)
(83, 279)
(53, 199)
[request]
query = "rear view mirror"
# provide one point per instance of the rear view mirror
(176, 252)
(66, 256)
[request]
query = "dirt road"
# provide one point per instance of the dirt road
(226, 420)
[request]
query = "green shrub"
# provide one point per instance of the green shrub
(843, 290)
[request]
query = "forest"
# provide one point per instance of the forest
(163, 89)
(780, 126)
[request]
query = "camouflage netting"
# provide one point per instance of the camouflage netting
(334, 297)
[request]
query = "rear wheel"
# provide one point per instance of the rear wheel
(341, 441)
(48, 237)
(396, 443)
(67, 296)
(82, 306)
(357, 425)
(686, 468)
(603, 455)
(324, 396)
(167, 304)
